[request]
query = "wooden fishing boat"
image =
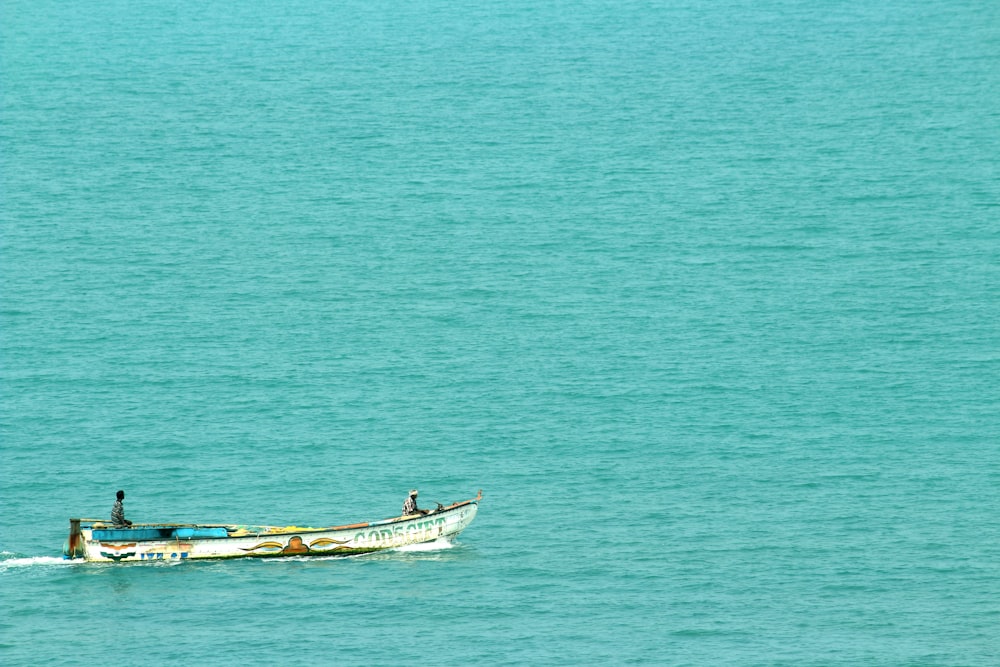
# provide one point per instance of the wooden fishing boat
(97, 540)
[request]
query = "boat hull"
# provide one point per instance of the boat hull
(97, 542)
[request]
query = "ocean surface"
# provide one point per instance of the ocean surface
(704, 296)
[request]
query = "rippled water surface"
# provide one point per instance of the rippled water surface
(704, 296)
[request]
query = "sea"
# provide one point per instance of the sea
(703, 295)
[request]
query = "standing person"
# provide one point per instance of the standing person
(410, 504)
(118, 511)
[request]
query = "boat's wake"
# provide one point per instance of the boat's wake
(436, 545)
(10, 561)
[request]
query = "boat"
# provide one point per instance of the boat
(100, 541)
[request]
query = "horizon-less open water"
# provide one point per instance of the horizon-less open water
(704, 296)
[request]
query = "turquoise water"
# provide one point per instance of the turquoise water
(704, 296)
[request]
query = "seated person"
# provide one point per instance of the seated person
(410, 505)
(118, 512)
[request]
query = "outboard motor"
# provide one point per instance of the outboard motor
(74, 545)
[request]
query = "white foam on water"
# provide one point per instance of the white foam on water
(436, 545)
(28, 561)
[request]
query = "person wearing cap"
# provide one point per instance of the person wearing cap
(118, 511)
(410, 504)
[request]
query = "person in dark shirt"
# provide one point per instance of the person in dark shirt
(118, 512)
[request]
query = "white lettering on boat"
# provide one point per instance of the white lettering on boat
(402, 533)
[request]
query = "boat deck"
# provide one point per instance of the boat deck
(105, 530)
